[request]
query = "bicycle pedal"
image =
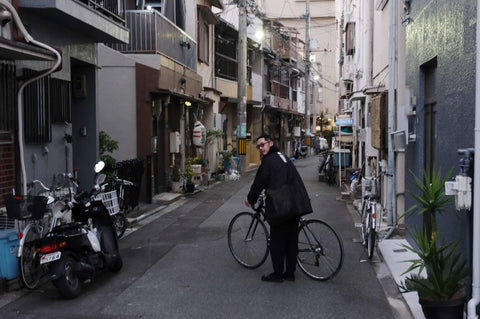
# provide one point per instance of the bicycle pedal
(358, 225)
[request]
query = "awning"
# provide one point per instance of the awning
(182, 96)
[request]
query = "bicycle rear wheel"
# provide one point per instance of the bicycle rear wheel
(372, 235)
(248, 240)
(28, 263)
(320, 250)
(120, 222)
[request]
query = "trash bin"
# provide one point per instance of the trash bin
(8, 253)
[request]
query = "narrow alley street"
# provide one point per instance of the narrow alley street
(177, 265)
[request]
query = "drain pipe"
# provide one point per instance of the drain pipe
(472, 303)
(28, 38)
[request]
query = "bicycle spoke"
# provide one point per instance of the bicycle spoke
(248, 240)
(320, 250)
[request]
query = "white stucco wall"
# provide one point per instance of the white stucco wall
(116, 108)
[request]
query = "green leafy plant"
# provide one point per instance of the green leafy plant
(175, 177)
(107, 145)
(226, 156)
(445, 269)
(430, 197)
(200, 161)
(188, 173)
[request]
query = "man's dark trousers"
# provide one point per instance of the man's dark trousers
(284, 246)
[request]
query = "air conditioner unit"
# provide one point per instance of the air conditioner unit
(269, 100)
(346, 88)
(348, 68)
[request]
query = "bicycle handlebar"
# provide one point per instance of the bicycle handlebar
(124, 182)
(36, 181)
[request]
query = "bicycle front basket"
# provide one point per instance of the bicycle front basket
(25, 207)
(110, 200)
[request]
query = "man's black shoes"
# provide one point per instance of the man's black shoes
(289, 277)
(273, 277)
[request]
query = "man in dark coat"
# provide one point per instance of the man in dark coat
(272, 174)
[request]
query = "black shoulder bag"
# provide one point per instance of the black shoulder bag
(290, 200)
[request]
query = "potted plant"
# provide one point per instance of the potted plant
(440, 291)
(430, 197)
(188, 173)
(226, 158)
(202, 162)
(175, 179)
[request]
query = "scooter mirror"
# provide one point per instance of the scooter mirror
(99, 166)
(100, 179)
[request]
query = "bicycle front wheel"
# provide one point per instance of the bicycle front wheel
(248, 240)
(320, 250)
(29, 264)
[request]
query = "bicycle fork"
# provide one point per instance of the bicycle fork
(251, 230)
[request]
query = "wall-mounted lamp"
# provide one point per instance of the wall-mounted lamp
(188, 103)
(185, 44)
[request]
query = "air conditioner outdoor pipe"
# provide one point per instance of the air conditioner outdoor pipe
(28, 38)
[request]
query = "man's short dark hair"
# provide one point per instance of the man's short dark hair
(265, 136)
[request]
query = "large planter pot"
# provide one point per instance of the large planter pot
(175, 187)
(450, 309)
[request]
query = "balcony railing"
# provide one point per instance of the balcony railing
(112, 8)
(152, 33)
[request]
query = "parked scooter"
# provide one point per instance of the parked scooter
(73, 253)
(300, 150)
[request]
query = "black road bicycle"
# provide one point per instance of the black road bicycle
(320, 248)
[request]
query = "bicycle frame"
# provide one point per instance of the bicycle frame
(254, 225)
(25, 231)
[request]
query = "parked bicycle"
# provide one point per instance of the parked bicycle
(326, 170)
(369, 223)
(124, 204)
(40, 214)
(320, 248)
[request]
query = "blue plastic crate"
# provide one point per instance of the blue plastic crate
(8, 253)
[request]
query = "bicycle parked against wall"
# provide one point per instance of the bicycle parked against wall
(40, 214)
(320, 249)
(369, 220)
(120, 204)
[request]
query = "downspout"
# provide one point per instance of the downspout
(472, 303)
(368, 71)
(30, 39)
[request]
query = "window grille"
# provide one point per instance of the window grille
(8, 96)
(36, 101)
(60, 92)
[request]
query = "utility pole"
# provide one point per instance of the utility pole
(242, 84)
(392, 75)
(307, 73)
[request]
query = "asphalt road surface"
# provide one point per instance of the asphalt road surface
(177, 265)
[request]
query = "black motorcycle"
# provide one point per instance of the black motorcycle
(73, 253)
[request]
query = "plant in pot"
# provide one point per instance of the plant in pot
(226, 159)
(440, 291)
(175, 179)
(188, 173)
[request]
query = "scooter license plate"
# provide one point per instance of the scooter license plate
(50, 257)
